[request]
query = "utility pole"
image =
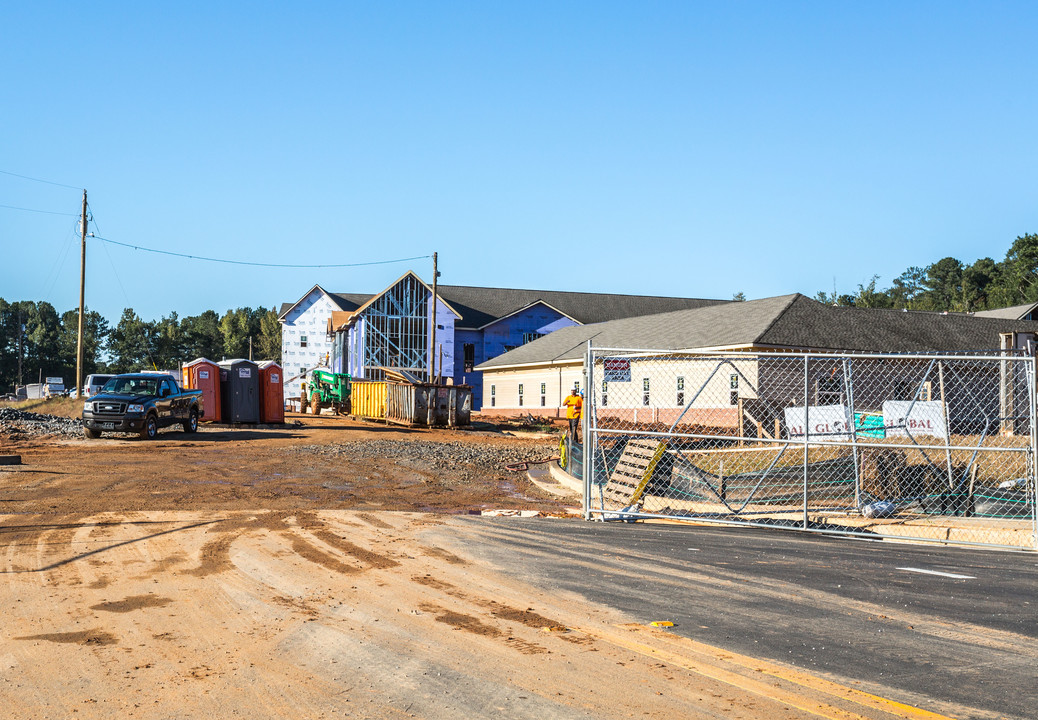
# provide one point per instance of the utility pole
(82, 295)
(21, 350)
(432, 341)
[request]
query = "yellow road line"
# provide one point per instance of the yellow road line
(708, 661)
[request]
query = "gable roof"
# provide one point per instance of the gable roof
(344, 302)
(1016, 312)
(793, 322)
(477, 307)
(522, 309)
(480, 306)
(439, 296)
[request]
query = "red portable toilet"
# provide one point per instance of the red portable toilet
(204, 375)
(272, 399)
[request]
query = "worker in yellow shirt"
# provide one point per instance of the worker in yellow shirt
(574, 404)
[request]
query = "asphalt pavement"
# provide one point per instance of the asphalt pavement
(946, 629)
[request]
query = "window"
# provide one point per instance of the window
(645, 391)
(681, 391)
(302, 371)
(733, 397)
(469, 351)
(544, 389)
(605, 393)
(302, 341)
(576, 386)
(907, 389)
(493, 392)
(520, 394)
(828, 391)
(733, 381)
(531, 336)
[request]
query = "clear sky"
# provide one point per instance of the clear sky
(688, 148)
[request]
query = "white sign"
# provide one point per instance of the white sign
(203, 374)
(244, 372)
(616, 370)
(274, 378)
(55, 381)
(827, 422)
(926, 418)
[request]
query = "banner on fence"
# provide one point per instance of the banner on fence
(828, 422)
(925, 418)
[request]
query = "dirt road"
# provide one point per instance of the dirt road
(287, 574)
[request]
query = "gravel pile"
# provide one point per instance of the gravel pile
(21, 422)
(463, 460)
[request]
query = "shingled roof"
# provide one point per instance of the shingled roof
(1016, 312)
(345, 301)
(784, 322)
(480, 306)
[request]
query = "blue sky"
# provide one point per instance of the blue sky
(688, 149)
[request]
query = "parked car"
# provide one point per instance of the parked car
(93, 384)
(141, 403)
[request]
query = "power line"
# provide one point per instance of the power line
(47, 182)
(257, 264)
(45, 212)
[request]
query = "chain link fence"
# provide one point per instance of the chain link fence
(926, 447)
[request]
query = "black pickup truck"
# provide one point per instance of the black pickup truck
(141, 403)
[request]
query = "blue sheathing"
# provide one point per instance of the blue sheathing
(507, 333)
(471, 377)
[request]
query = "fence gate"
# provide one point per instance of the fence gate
(929, 447)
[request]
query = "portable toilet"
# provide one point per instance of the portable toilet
(204, 375)
(239, 391)
(272, 398)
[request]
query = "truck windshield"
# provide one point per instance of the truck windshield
(132, 386)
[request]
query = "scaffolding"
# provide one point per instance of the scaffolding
(397, 330)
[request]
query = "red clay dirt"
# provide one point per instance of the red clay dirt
(291, 573)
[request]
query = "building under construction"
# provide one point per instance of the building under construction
(364, 334)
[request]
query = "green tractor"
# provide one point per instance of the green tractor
(327, 389)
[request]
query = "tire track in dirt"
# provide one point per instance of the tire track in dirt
(132, 603)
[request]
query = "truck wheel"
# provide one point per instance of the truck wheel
(91, 434)
(191, 424)
(302, 404)
(315, 405)
(150, 429)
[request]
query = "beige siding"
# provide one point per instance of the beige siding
(501, 389)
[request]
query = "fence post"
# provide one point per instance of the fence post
(589, 409)
(848, 381)
(1032, 397)
(807, 431)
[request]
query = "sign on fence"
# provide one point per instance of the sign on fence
(926, 418)
(828, 422)
(616, 370)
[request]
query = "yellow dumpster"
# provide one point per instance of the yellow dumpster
(368, 399)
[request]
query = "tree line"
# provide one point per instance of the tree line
(951, 285)
(36, 341)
